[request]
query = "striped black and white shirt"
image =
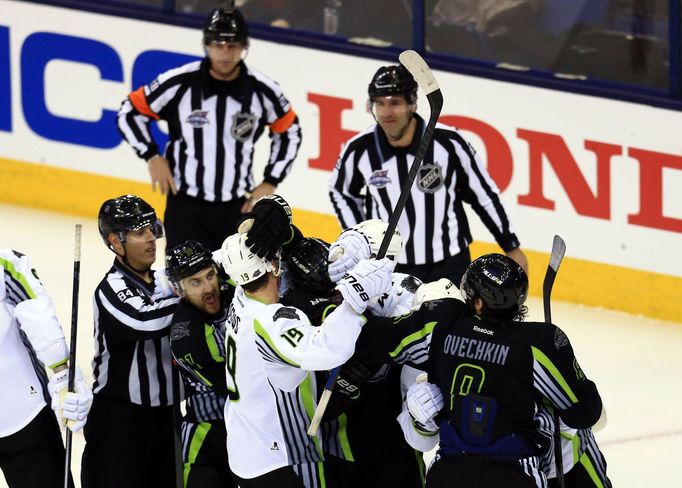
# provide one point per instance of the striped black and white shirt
(132, 348)
(213, 127)
(370, 172)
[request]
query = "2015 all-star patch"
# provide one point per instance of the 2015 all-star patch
(379, 178)
(430, 178)
(198, 118)
(243, 126)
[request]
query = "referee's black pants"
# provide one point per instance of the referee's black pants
(34, 457)
(452, 268)
(206, 222)
(128, 446)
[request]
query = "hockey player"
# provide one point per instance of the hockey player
(584, 465)
(31, 449)
(352, 461)
(197, 341)
(129, 433)
(270, 350)
(488, 374)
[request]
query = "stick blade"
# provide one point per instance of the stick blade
(416, 65)
(558, 251)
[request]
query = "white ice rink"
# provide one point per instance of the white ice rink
(636, 362)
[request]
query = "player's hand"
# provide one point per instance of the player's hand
(259, 192)
(517, 255)
(424, 400)
(346, 252)
(270, 227)
(159, 170)
(71, 408)
(370, 278)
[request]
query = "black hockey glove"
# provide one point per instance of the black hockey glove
(352, 375)
(271, 226)
(315, 308)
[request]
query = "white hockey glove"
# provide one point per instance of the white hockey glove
(435, 290)
(349, 249)
(71, 408)
(370, 278)
(424, 401)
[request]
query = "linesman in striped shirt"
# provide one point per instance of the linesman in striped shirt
(216, 110)
(370, 171)
(130, 430)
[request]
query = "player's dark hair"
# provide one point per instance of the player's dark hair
(257, 284)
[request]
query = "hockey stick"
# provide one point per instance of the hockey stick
(72, 345)
(427, 82)
(558, 251)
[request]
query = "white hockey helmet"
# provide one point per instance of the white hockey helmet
(240, 263)
(434, 290)
(375, 229)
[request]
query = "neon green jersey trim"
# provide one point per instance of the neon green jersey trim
(541, 358)
(343, 438)
(306, 392)
(212, 345)
(9, 266)
(420, 334)
(587, 463)
(264, 335)
(194, 447)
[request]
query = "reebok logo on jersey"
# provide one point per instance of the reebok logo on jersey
(379, 178)
(31, 390)
(483, 331)
(197, 119)
(274, 447)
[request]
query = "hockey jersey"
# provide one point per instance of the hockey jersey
(270, 351)
(30, 338)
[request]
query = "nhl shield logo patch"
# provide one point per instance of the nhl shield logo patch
(430, 178)
(379, 178)
(197, 119)
(243, 126)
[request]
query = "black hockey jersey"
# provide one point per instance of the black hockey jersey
(493, 375)
(198, 346)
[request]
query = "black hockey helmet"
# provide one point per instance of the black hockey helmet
(393, 80)
(186, 259)
(127, 213)
(498, 280)
(226, 24)
(307, 266)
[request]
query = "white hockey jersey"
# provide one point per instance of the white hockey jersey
(270, 350)
(30, 338)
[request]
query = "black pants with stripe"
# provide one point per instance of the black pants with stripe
(128, 446)
(205, 455)
(206, 222)
(34, 456)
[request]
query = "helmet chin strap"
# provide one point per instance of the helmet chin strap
(124, 258)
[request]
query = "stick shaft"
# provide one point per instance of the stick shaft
(72, 344)
(555, 258)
